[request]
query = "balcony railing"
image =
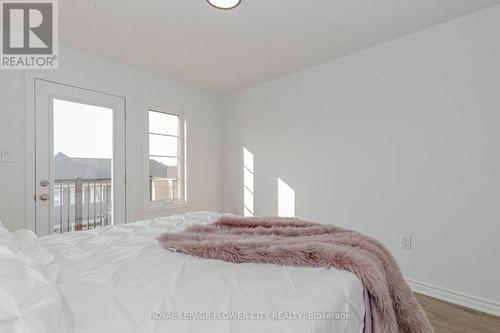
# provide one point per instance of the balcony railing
(81, 204)
(163, 189)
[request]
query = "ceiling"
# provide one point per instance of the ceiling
(224, 51)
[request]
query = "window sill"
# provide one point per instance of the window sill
(165, 206)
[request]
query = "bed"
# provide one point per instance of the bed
(119, 279)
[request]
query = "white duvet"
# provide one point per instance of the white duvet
(119, 279)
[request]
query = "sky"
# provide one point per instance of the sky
(82, 130)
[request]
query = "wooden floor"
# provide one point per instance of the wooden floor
(451, 318)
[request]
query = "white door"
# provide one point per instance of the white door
(80, 159)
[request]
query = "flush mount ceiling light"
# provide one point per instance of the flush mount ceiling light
(224, 4)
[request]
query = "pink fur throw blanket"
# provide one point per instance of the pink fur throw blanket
(294, 242)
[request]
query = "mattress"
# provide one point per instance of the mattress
(119, 279)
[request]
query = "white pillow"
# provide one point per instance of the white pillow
(29, 302)
(29, 244)
(8, 243)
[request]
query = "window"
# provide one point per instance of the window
(165, 157)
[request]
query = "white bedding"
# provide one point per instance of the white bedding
(115, 279)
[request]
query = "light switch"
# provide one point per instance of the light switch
(407, 242)
(7, 155)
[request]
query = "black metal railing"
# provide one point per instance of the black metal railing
(81, 204)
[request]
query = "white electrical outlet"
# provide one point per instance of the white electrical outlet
(406, 242)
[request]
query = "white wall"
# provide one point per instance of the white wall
(399, 139)
(204, 132)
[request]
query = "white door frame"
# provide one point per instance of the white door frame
(31, 177)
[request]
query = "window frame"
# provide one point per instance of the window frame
(178, 111)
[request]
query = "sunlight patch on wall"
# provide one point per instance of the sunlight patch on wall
(185, 162)
(248, 174)
(286, 199)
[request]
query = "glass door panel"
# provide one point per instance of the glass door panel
(83, 159)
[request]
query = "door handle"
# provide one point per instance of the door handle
(44, 197)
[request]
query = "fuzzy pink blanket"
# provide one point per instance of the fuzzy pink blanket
(295, 242)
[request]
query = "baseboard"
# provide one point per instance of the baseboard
(455, 297)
